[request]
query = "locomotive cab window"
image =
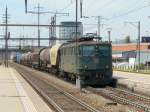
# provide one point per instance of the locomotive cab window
(104, 50)
(88, 50)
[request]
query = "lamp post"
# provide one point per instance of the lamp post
(109, 34)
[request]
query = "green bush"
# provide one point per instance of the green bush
(141, 66)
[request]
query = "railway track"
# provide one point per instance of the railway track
(132, 96)
(139, 102)
(58, 98)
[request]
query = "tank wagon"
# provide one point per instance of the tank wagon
(34, 58)
(25, 59)
(45, 63)
(17, 57)
(87, 61)
(22, 59)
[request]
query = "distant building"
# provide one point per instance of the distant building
(70, 30)
(145, 39)
(127, 54)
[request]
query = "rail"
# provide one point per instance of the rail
(123, 97)
(54, 95)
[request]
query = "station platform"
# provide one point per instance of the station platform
(139, 83)
(16, 95)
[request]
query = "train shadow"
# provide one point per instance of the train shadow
(113, 84)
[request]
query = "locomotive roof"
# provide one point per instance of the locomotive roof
(86, 43)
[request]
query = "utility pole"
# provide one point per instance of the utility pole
(6, 38)
(55, 24)
(76, 19)
(139, 41)
(99, 25)
(81, 8)
(138, 26)
(78, 78)
(99, 19)
(52, 29)
(109, 35)
(38, 13)
(38, 25)
(49, 35)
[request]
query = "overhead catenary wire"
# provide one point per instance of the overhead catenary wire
(112, 2)
(127, 13)
(113, 17)
(93, 2)
(106, 4)
(124, 14)
(67, 6)
(133, 10)
(101, 7)
(89, 28)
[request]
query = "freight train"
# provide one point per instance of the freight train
(87, 60)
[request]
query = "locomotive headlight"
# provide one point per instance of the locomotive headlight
(86, 67)
(107, 66)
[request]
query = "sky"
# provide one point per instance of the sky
(114, 13)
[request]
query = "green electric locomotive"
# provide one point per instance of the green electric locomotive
(89, 61)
